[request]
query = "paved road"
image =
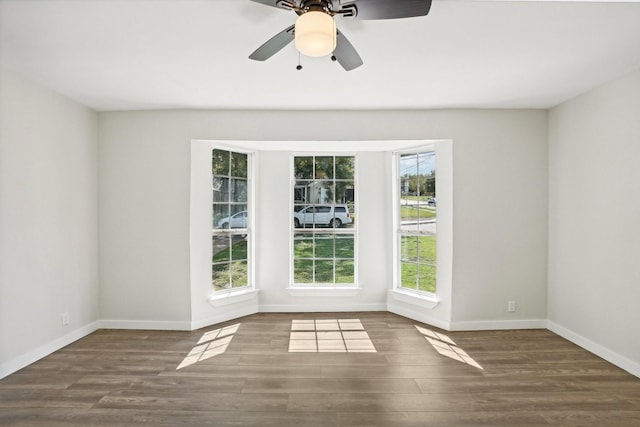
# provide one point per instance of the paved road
(428, 226)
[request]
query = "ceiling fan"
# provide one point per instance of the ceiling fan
(315, 31)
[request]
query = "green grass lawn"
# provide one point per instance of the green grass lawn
(323, 255)
(334, 255)
(418, 265)
(415, 213)
(234, 274)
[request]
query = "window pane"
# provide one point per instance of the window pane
(303, 167)
(321, 192)
(324, 246)
(427, 278)
(220, 215)
(408, 248)
(324, 271)
(220, 277)
(220, 162)
(303, 246)
(426, 249)
(239, 274)
(345, 167)
(416, 217)
(409, 215)
(427, 219)
(324, 167)
(345, 246)
(221, 248)
(303, 271)
(220, 189)
(239, 165)
(345, 271)
(238, 190)
(302, 193)
(345, 191)
(238, 208)
(408, 272)
(239, 248)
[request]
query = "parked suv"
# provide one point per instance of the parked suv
(328, 215)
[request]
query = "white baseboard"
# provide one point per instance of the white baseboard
(319, 308)
(156, 325)
(418, 316)
(14, 365)
(496, 325)
(599, 350)
(230, 315)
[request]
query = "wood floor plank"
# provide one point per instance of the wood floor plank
(176, 384)
(421, 419)
(246, 371)
(107, 417)
(324, 385)
(129, 378)
(401, 371)
(152, 400)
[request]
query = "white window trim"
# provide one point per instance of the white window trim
(444, 240)
(326, 291)
(201, 225)
(250, 288)
(222, 298)
(422, 299)
(313, 289)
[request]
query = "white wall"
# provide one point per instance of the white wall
(594, 214)
(500, 215)
(48, 221)
(144, 228)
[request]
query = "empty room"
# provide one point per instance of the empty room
(319, 213)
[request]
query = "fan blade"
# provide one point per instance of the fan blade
(391, 9)
(280, 4)
(346, 54)
(273, 45)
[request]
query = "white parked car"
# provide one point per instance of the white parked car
(326, 215)
(238, 220)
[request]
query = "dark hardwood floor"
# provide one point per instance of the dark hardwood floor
(247, 376)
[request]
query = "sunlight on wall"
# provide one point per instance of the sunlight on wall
(446, 347)
(211, 344)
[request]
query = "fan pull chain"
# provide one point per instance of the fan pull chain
(299, 66)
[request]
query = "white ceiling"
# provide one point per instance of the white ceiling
(157, 54)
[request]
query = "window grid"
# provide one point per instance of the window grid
(417, 221)
(230, 233)
(323, 238)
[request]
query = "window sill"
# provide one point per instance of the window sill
(324, 292)
(232, 297)
(414, 298)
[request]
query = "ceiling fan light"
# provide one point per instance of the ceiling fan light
(315, 34)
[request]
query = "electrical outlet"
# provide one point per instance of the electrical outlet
(65, 318)
(511, 306)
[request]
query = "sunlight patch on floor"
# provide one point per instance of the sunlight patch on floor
(212, 343)
(446, 347)
(329, 336)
